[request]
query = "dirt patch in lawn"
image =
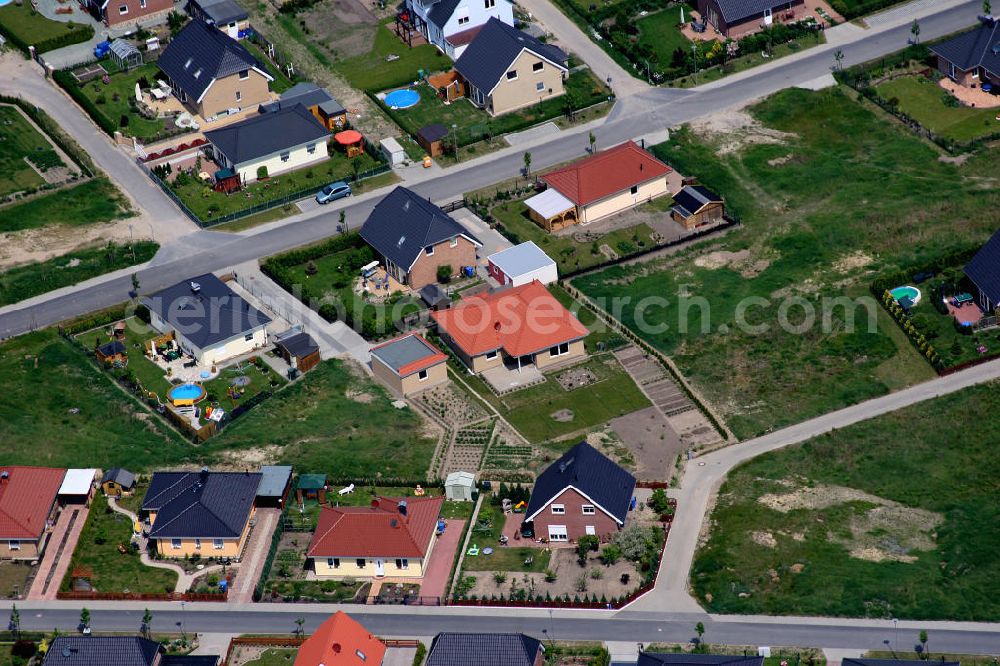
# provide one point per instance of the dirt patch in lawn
(765, 539)
(852, 262)
(238, 459)
(887, 531)
(31, 245)
(575, 378)
(346, 25)
(360, 396)
(562, 416)
(651, 440)
(735, 129)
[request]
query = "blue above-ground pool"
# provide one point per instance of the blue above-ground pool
(399, 99)
(5, 2)
(185, 394)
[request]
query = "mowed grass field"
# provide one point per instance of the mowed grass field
(19, 140)
(58, 409)
(829, 193)
(93, 201)
(892, 517)
(923, 100)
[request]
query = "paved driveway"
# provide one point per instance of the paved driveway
(254, 555)
(435, 583)
(58, 552)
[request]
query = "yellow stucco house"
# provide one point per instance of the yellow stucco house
(393, 537)
(200, 513)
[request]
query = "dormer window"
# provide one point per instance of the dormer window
(188, 63)
(197, 72)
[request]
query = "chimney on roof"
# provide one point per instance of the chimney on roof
(5, 476)
(337, 648)
(195, 287)
(563, 466)
(496, 326)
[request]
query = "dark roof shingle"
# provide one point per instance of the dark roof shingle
(267, 133)
(200, 54)
(101, 650)
(212, 314)
(404, 223)
(984, 268)
(206, 505)
(976, 48)
(497, 45)
(121, 476)
(307, 94)
(693, 198)
(737, 11)
(592, 473)
(454, 649)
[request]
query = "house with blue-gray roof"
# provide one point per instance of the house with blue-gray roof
(984, 271)
(485, 649)
(737, 18)
(971, 59)
(506, 69)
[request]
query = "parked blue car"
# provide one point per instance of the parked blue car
(333, 191)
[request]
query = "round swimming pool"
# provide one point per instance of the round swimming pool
(401, 99)
(186, 394)
(906, 291)
(5, 2)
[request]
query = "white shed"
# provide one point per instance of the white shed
(460, 486)
(392, 151)
(521, 264)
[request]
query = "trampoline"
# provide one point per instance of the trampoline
(402, 99)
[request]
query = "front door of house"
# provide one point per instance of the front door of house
(768, 18)
(379, 568)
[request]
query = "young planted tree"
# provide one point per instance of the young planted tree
(593, 141)
(527, 164)
(838, 56)
(987, 8)
(923, 644)
(146, 627)
(14, 625)
(700, 630)
(915, 31)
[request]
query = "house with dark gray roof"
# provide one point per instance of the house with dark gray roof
(270, 143)
(450, 25)
(697, 659)
(506, 69)
(225, 15)
(736, 18)
(117, 481)
(409, 364)
(318, 101)
(94, 650)
(582, 493)
(971, 59)
(481, 649)
(212, 73)
(414, 238)
(298, 349)
(984, 271)
(200, 513)
(695, 205)
(208, 320)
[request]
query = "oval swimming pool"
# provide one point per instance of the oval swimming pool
(906, 291)
(186, 394)
(402, 98)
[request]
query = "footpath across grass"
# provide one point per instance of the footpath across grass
(830, 194)
(23, 282)
(892, 517)
(94, 201)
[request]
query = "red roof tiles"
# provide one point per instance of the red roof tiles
(521, 321)
(26, 497)
(341, 641)
(377, 531)
(605, 173)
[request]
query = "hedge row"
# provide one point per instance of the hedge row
(916, 338)
(54, 132)
(887, 281)
(855, 9)
(68, 83)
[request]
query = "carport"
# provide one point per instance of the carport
(551, 210)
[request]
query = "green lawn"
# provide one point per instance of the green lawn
(281, 82)
(112, 100)
(275, 657)
(929, 509)
(96, 200)
(108, 569)
(924, 100)
(28, 280)
(208, 204)
(372, 72)
(23, 25)
(569, 254)
(601, 337)
(19, 140)
(530, 410)
(748, 61)
(841, 197)
(661, 32)
(473, 123)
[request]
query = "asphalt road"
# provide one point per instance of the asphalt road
(560, 625)
(632, 116)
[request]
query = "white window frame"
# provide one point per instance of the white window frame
(454, 242)
(122, 10)
(14, 544)
(402, 563)
(490, 355)
(197, 544)
(463, 20)
(248, 337)
(310, 148)
(218, 544)
(634, 190)
(509, 77)
(239, 96)
(590, 530)
(561, 532)
(559, 350)
(558, 509)
(429, 250)
(489, 4)
(244, 73)
(538, 66)
(588, 510)
(175, 544)
(285, 156)
(142, 4)
(361, 563)
(540, 86)
(422, 376)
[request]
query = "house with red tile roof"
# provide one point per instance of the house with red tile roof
(392, 537)
(409, 364)
(522, 326)
(28, 507)
(341, 641)
(604, 184)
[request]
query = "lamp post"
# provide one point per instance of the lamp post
(694, 56)
(895, 640)
(454, 131)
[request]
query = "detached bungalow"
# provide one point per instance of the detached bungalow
(212, 73)
(451, 24)
(972, 58)
(506, 69)
(583, 493)
(393, 537)
(200, 513)
(208, 319)
(409, 364)
(521, 326)
(604, 184)
(27, 507)
(341, 641)
(453, 649)
(984, 271)
(736, 18)
(270, 144)
(414, 238)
